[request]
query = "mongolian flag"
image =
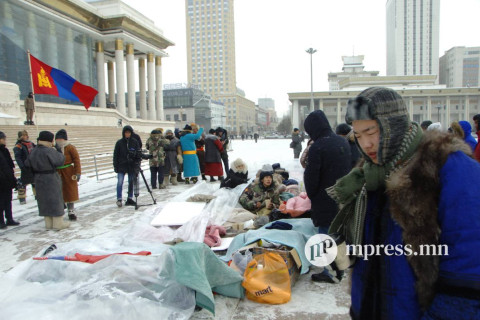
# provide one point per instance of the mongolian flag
(48, 80)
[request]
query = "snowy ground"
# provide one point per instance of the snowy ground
(98, 216)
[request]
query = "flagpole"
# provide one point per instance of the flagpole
(33, 91)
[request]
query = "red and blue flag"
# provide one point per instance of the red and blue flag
(48, 80)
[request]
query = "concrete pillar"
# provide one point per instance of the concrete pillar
(51, 48)
(69, 56)
(81, 62)
(339, 111)
(410, 108)
(132, 103)
(31, 37)
(152, 115)
(429, 108)
(467, 109)
(159, 91)
(111, 82)
(142, 87)
(295, 118)
(120, 76)
(320, 107)
(100, 59)
(447, 112)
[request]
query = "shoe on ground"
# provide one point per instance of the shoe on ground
(204, 178)
(13, 223)
(162, 186)
(212, 179)
(3, 226)
(119, 203)
(321, 277)
(194, 180)
(72, 217)
(187, 181)
(154, 187)
(130, 202)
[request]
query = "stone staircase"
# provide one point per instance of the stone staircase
(94, 144)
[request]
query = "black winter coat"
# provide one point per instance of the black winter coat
(329, 159)
(21, 154)
(122, 161)
(234, 179)
(7, 175)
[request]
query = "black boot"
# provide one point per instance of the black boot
(130, 202)
(179, 178)
(203, 177)
(194, 180)
(187, 181)
(212, 179)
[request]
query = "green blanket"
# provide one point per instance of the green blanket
(198, 268)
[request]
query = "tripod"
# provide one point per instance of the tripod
(136, 189)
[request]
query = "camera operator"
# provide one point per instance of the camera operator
(127, 157)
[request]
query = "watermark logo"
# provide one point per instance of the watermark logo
(320, 250)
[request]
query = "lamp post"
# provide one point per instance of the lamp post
(311, 51)
(439, 106)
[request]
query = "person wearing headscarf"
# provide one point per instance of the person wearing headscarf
(22, 149)
(410, 193)
(44, 161)
(70, 172)
(191, 166)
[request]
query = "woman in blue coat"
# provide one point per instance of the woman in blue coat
(409, 204)
(191, 166)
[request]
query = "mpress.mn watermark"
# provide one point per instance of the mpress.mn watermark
(321, 250)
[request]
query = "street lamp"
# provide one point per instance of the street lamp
(439, 106)
(311, 51)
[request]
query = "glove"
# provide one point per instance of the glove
(179, 158)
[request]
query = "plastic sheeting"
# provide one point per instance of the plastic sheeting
(118, 287)
(215, 212)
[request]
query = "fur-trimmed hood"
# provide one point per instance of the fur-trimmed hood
(237, 163)
(418, 216)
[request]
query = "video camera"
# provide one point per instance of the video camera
(135, 157)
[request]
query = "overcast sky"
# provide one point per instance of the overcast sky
(272, 35)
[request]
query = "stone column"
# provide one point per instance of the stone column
(152, 115)
(447, 112)
(159, 91)
(120, 76)
(339, 111)
(51, 48)
(111, 82)
(132, 103)
(81, 62)
(295, 119)
(410, 108)
(31, 36)
(429, 108)
(142, 87)
(100, 59)
(320, 107)
(467, 109)
(69, 57)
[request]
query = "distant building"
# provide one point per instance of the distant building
(266, 103)
(412, 37)
(352, 67)
(261, 119)
(211, 60)
(459, 67)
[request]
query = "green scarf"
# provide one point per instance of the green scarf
(350, 192)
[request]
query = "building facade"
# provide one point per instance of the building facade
(413, 37)
(352, 67)
(85, 39)
(459, 67)
(211, 59)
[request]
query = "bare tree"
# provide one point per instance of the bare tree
(285, 125)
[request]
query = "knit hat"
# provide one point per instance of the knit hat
(45, 136)
(264, 174)
(21, 133)
(2, 135)
(267, 167)
(61, 134)
(343, 129)
(388, 108)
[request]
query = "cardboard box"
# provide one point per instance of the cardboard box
(291, 259)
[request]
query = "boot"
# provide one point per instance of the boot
(194, 180)
(48, 223)
(22, 201)
(174, 180)
(203, 177)
(166, 180)
(71, 215)
(187, 181)
(179, 177)
(59, 224)
(212, 179)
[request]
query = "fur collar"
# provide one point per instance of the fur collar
(418, 216)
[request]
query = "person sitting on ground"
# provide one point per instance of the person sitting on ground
(238, 174)
(261, 197)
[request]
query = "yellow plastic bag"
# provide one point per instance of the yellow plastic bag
(266, 279)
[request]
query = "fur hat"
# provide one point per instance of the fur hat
(21, 133)
(388, 108)
(45, 136)
(156, 131)
(61, 134)
(264, 174)
(238, 162)
(2, 135)
(187, 128)
(457, 130)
